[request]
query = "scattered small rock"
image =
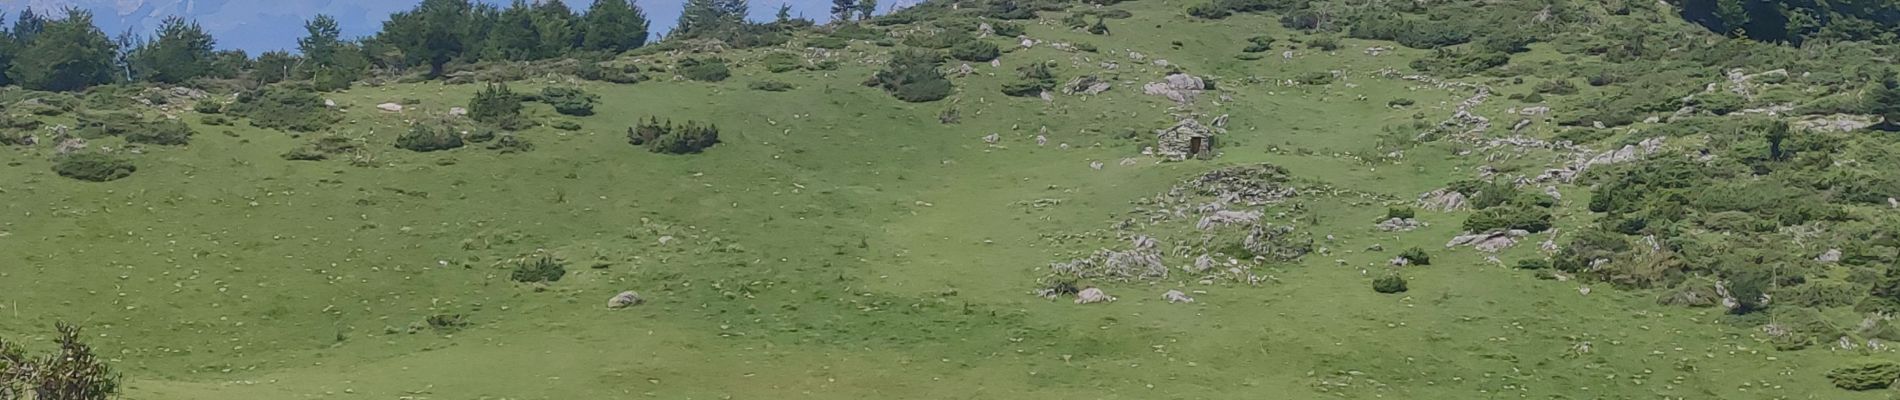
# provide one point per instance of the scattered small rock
(624, 300)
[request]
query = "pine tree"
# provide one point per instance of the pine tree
(841, 10)
(321, 42)
(28, 25)
(784, 15)
(557, 25)
(434, 33)
(702, 18)
(69, 54)
(515, 36)
(866, 8)
(614, 25)
(181, 51)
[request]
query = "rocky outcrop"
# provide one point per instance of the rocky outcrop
(1489, 242)
(625, 299)
(1085, 85)
(1092, 296)
(1401, 224)
(1442, 200)
(1182, 88)
(1175, 296)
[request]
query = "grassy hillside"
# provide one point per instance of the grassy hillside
(839, 243)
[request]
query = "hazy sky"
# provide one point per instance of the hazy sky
(263, 25)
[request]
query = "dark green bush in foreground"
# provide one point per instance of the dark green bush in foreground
(1865, 376)
(423, 137)
(913, 76)
(93, 167)
(1416, 256)
(1389, 284)
(569, 101)
(704, 70)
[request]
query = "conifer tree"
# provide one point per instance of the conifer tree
(69, 54)
(614, 25)
(181, 51)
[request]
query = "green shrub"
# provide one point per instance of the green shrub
(1389, 284)
(769, 86)
(1866, 375)
(704, 70)
(510, 143)
(976, 51)
(208, 107)
(1258, 44)
(940, 40)
(323, 148)
(827, 42)
(1007, 29)
(913, 76)
(1323, 43)
(165, 133)
(1315, 78)
(427, 137)
(1720, 102)
(569, 101)
(218, 120)
(1459, 63)
(1401, 102)
(1035, 78)
(1533, 264)
(673, 139)
(1525, 218)
(1416, 256)
(565, 125)
(93, 167)
(781, 62)
(537, 271)
(1559, 87)
(495, 104)
(284, 107)
(1400, 213)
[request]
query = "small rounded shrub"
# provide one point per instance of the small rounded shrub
(1865, 376)
(425, 138)
(1533, 264)
(770, 86)
(164, 133)
(976, 51)
(1401, 102)
(1416, 256)
(1400, 213)
(539, 270)
(94, 167)
(1389, 284)
(707, 70)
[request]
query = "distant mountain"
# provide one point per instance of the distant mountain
(264, 25)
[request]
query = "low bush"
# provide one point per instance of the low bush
(208, 107)
(569, 101)
(1459, 63)
(1258, 44)
(673, 139)
(976, 51)
(284, 107)
(510, 143)
(1416, 256)
(495, 104)
(827, 42)
(427, 137)
(913, 76)
(1034, 79)
(704, 70)
(1524, 218)
(1868, 375)
(781, 62)
(322, 148)
(93, 167)
(1401, 102)
(164, 133)
(1400, 213)
(770, 86)
(1389, 284)
(1533, 264)
(539, 270)
(1559, 87)
(565, 125)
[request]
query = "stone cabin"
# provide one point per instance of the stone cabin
(1186, 139)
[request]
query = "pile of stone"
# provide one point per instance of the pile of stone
(1401, 225)
(1251, 185)
(1628, 153)
(1182, 88)
(1186, 139)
